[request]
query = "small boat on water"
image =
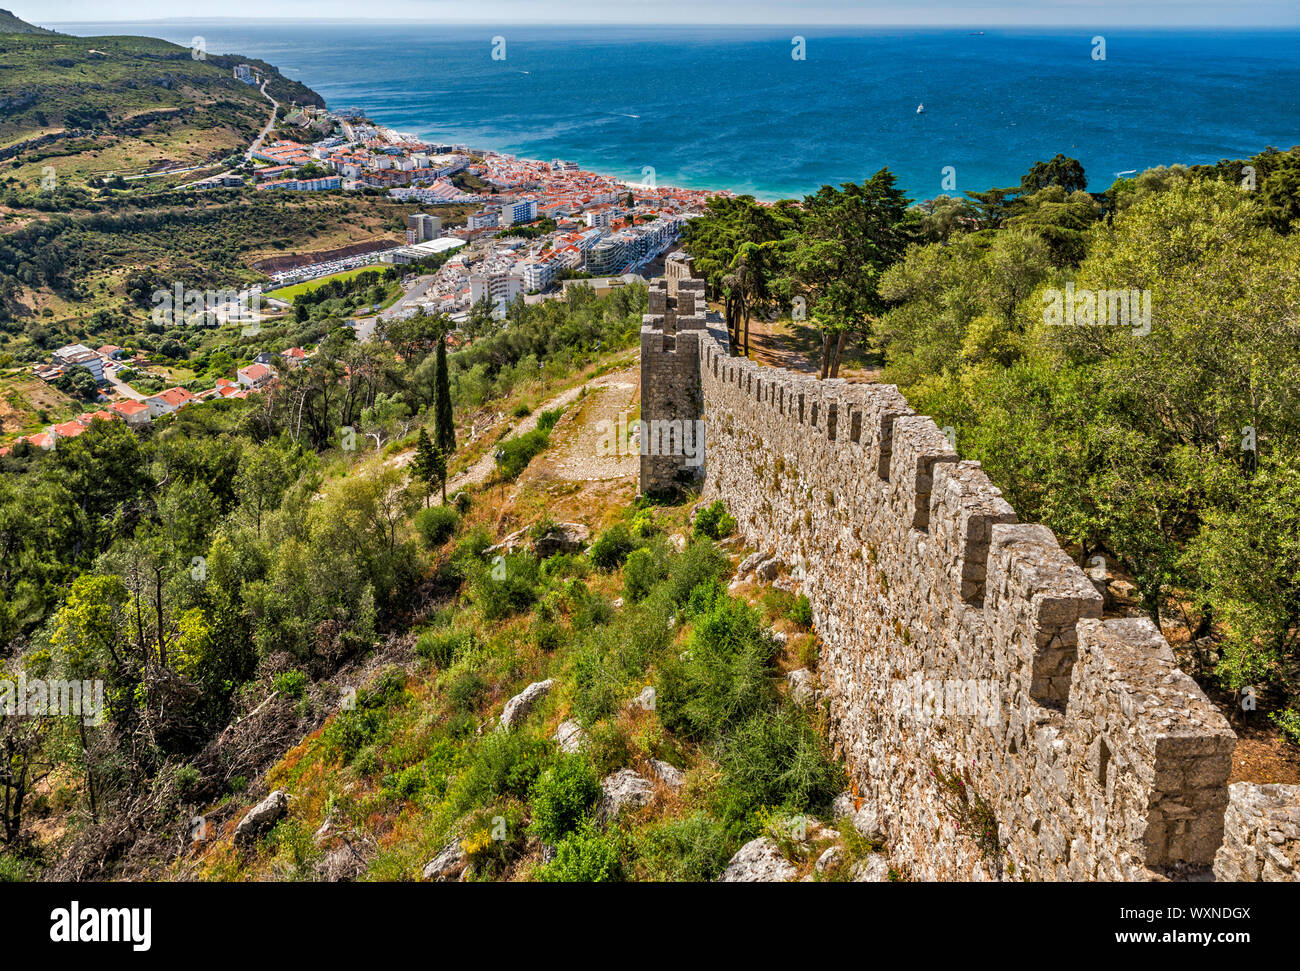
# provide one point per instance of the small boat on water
(920, 109)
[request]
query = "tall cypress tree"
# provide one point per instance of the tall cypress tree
(426, 464)
(444, 422)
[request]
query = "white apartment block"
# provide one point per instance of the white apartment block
(484, 219)
(539, 271)
(498, 287)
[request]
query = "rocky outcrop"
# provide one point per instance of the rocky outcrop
(558, 538)
(860, 814)
(874, 869)
(669, 775)
(829, 859)
(645, 701)
(803, 685)
(262, 816)
(340, 865)
(624, 788)
(518, 707)
(569, 737)
(758, 861)
(447, 865)
(562, 538)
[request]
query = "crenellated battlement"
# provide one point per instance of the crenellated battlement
(1097, 756)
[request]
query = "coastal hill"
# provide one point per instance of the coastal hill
(91, 106)
(9, 24)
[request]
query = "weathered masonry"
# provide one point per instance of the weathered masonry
(959, 645)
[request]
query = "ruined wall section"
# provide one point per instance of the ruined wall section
(1002, 728)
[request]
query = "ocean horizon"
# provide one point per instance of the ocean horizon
(716, 107)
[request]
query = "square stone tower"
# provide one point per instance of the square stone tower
(672, 403)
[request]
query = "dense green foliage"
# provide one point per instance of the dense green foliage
(1173, 454)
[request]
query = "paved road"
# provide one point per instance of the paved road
(275, 109)
(122, 388)
(418, 288)
(365, 326)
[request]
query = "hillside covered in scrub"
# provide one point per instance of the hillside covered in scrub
(278, 618)
(127, 88)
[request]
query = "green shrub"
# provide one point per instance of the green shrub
(589, 609)
(598, 679)
(436, 525)
(562, 797)
(607, 747)
(290, 684)
(724, 676)
(584, 856)
(644, 525)
(514, 454)
(612, 547)
(714, 522)
(774, 759)
(187, 777)
(611, 661)
(466, 559)
(702, 562)
(692, 849)
(565, 566)
(507, 586)
(502, 764)
(548, 419)
(16, 870)
(546, 635)
(643, 569)
(704, 598)
(492, 838)
(801, 612)
(443, 646)
(1288, 721)
(465, 692)
(407, 783)
(1244, 663)
(363, 725)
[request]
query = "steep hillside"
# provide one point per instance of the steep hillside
(9, 24)
(90, 106)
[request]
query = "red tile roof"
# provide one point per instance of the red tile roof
(174, 397)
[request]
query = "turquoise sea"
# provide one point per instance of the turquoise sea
(727, 107)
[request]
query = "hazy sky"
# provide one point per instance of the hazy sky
(1100, 13)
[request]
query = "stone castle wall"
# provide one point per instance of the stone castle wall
(1002, 729)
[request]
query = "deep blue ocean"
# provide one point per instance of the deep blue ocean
(727, 107)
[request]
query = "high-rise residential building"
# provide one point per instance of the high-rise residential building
(421, 227)
(539, 271)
